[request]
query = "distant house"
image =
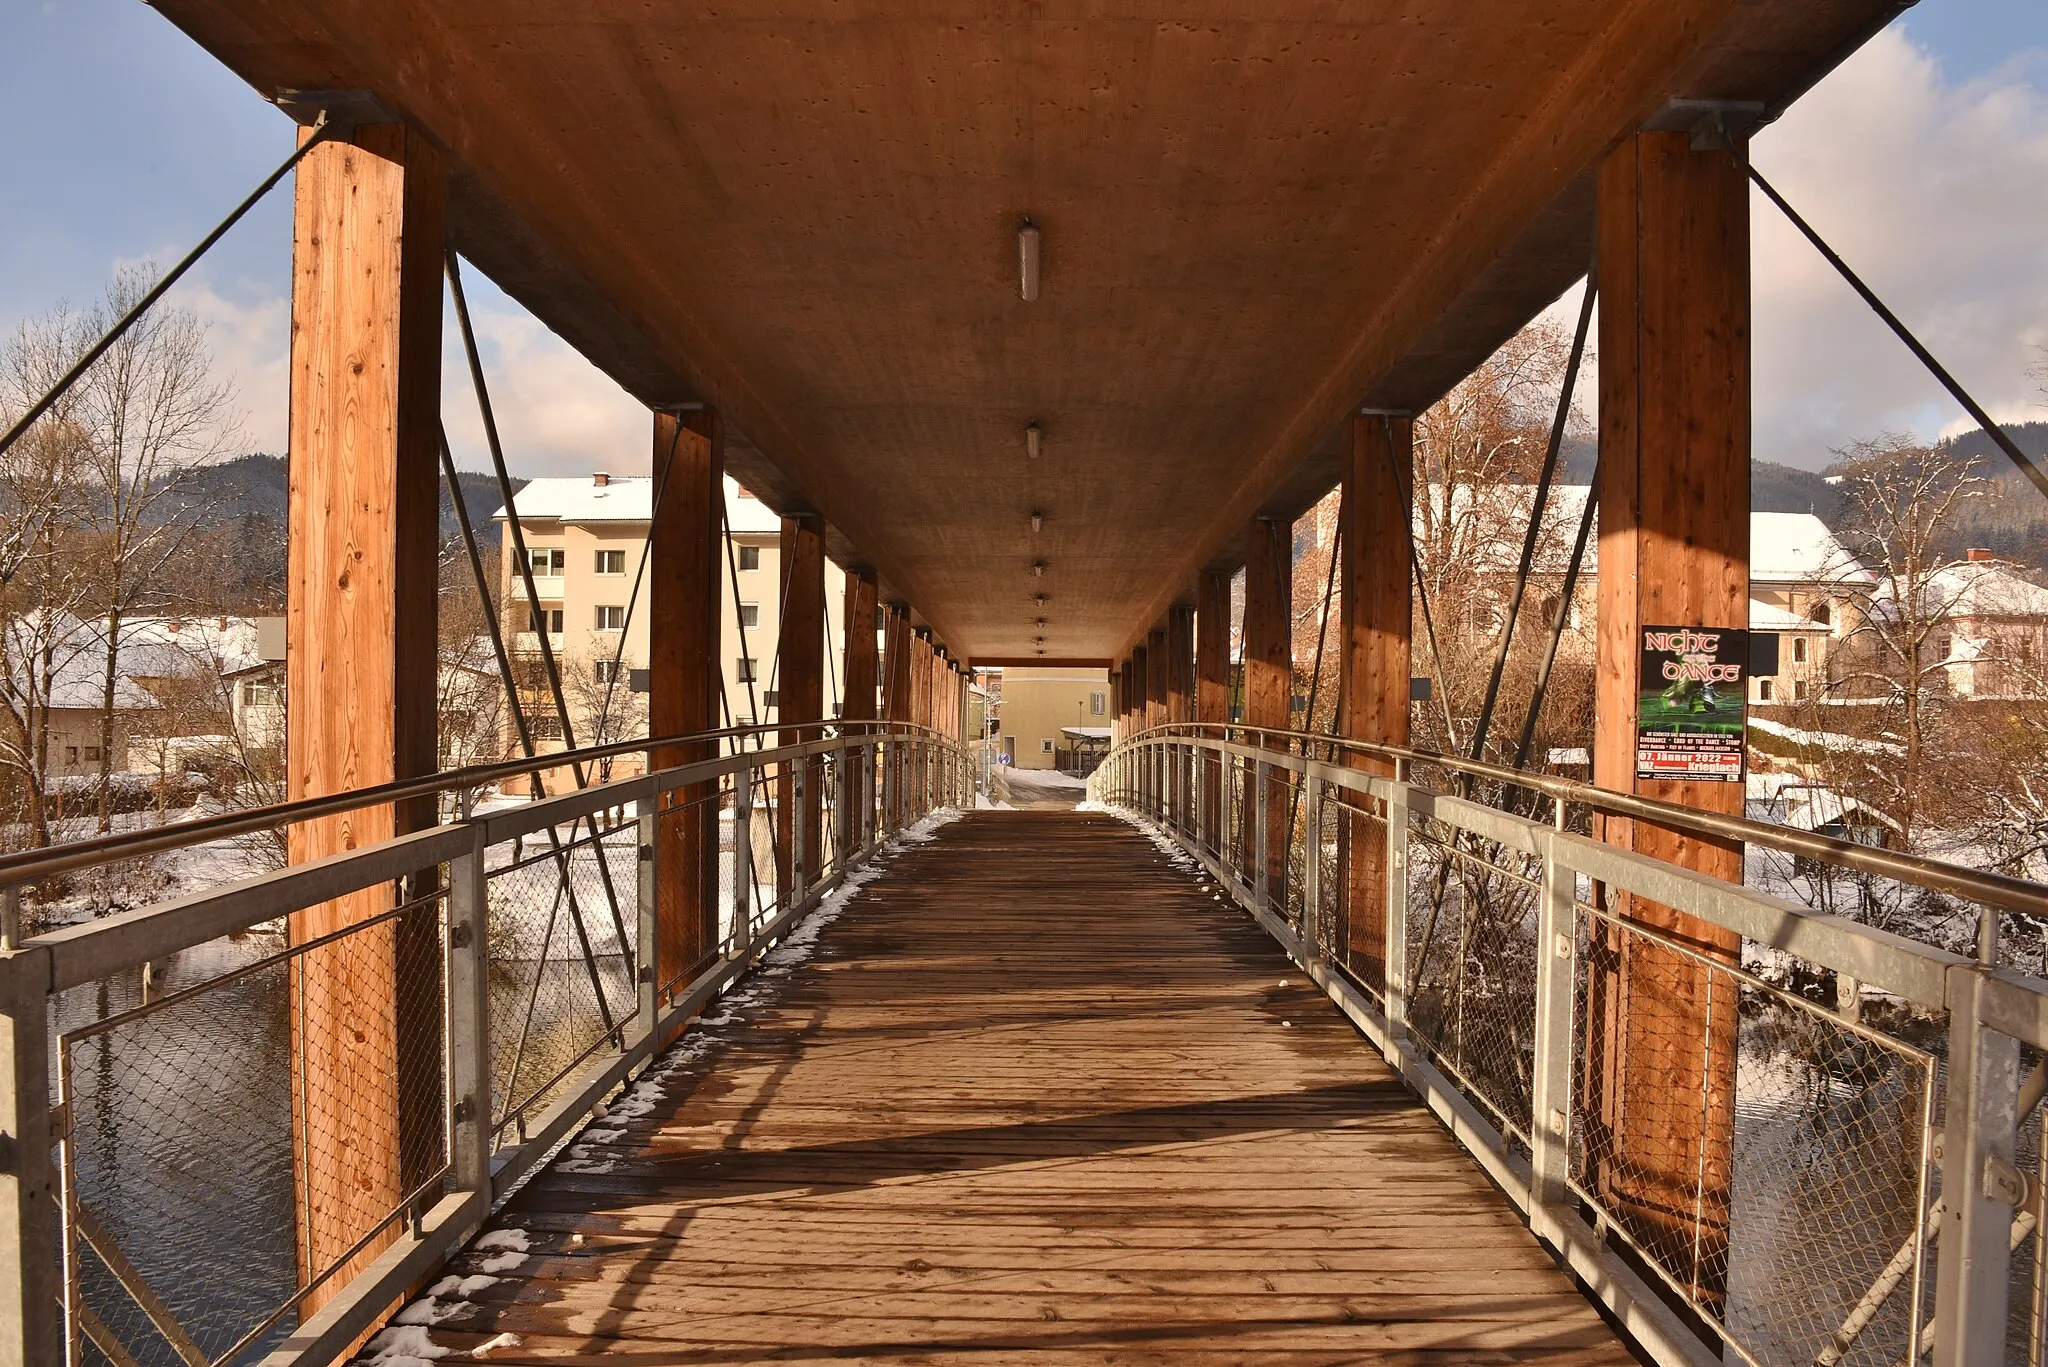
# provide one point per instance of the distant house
(1994, 638)
(1053, 717)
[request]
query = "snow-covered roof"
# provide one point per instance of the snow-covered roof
(1769, 617)
(624, 498)
(1975, 588)
(1824, 740)
(151, 648)
(1784, 548)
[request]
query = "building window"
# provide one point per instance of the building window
(1097, 702)
(92, 754)
(1799, 690)
(550, 618)
(611, 619)
(611, 562)
(743, 669)
(771, 698)
(547, 561)
(750, 614)
(71, 754)
(1764, 689)
(1799, 650)
(256, 694)
(1045, 745)
(547, 728)
(1941, 647)
(604, 671)
(1821, 613)
(750, 557)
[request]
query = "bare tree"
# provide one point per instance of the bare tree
(1902, 498)
(151, 411)
(43, 586)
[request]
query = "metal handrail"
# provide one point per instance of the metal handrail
(1993, 889)
(28, 866)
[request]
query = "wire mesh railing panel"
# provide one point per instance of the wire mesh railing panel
(237, 1141)
(1356, 937)
(563, 935)
(1287, 837)
(1769, 1158)
(1472, 965)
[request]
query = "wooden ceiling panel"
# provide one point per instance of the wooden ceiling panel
(1256, 214)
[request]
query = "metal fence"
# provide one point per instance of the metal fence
(213, 1158)
(1729, 1114)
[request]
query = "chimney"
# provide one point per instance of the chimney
(601, 479)
(1980, 556)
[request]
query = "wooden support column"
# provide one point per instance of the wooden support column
(1212, 689)
(1673, 264)
(1374, 667)
(367, 235)
(1268, 674)
(1155, 677)
(800, 691)
(896, 641)
(856, 798)
(684, 584)
(1180, 664)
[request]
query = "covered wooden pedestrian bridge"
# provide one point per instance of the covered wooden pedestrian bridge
(1044, 323)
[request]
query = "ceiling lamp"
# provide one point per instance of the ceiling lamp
(1040, 600)
(1031, 442)
(1037, 521)
(1027, 261)
(1038, 569)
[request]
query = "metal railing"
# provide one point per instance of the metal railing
(209, 1155)
(1731, 1124)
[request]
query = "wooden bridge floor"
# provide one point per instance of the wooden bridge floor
(1038, 1095)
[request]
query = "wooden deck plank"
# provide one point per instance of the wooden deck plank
(1039, 1095)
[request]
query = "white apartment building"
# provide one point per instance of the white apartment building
(586, 536)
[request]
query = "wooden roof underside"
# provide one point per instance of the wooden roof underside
(1257, 216)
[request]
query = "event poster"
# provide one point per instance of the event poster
(1691, 713)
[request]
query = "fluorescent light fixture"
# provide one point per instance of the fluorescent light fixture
(1031, 442)
(1027, 261)
(1037, 521)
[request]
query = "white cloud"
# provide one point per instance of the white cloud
(557, 413)
(251, 344)
(1936, 194)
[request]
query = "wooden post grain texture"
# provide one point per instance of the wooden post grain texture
(683, 641)
(367, 230)
(1673, 265)
(862, 671)
(1374, 665)
(1268, 672)
(800, 690)
(1212, 689)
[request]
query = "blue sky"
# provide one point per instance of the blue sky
(1925, 158)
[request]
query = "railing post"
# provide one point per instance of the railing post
(743, 859)
(469, 1015)
(1551, 1080)
(1311, 863)
(1980, 1184)
(1262, 867)
(30, 1304)
(799, 853)
(1395, 994)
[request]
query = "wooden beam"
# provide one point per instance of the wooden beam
(367, 233)
(1374, 665)
(1673, 265)
(896, 640)
(1156, 657)
(800, 689)
(1268, 669)
(684, 583)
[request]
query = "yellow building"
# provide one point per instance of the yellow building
(585, 537)
(1045, 711)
